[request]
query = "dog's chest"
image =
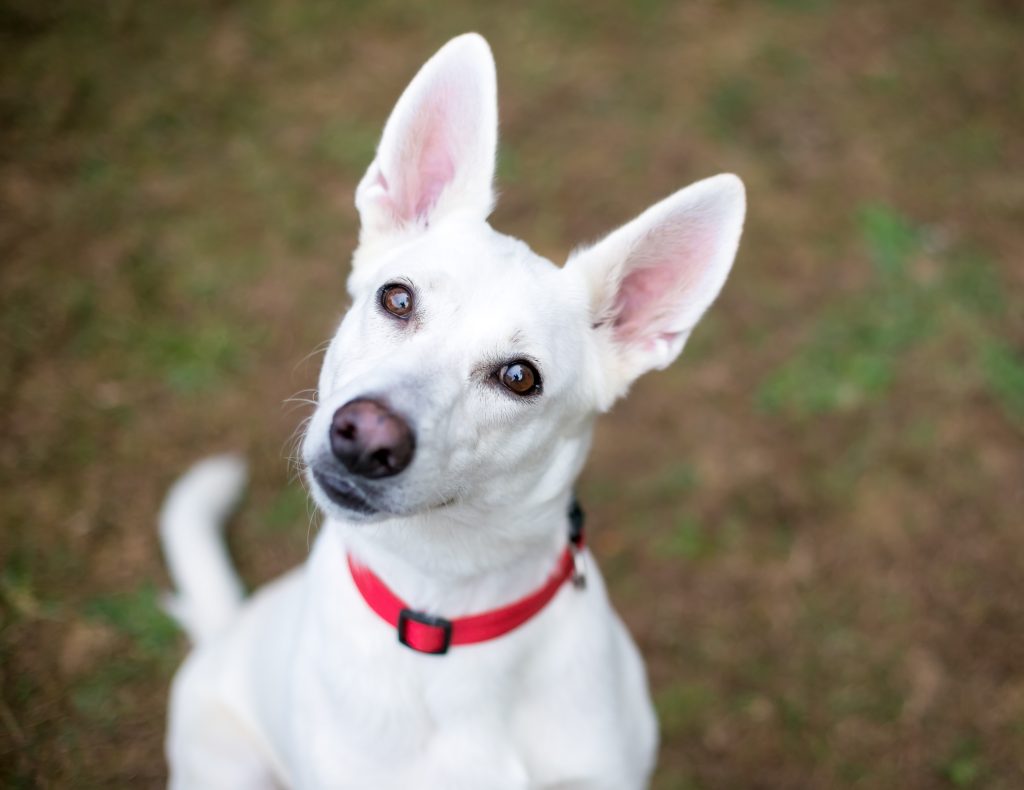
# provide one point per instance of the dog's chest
(457, 724)
(502, 714)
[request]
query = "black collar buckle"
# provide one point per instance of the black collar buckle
(433, 635)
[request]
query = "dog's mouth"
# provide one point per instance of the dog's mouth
(343, 493)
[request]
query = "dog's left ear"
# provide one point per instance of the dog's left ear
(436, 155)
(650, 281)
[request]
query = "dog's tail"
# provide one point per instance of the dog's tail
(208, 591)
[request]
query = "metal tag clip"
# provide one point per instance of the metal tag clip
(579, 567)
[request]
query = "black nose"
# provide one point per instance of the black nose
(370, 440)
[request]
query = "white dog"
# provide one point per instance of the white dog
(449, 629)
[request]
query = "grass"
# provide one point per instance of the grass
(687, 540)
(857, 349)
(138, 616)
(1004, 373)
(192, 362)
(147, 643)
(348, 144)
(684, 708)
(965, 768)
(731, 106)
(811, 525)
(102, 696)
(289, 508)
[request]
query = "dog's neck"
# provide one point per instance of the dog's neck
(459, 560)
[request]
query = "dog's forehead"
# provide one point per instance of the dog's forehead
(474, 266)
(484, 295)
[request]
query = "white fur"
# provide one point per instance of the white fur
(209, 592)
(307, 687)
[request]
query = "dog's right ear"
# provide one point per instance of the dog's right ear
(437, 153)
(650, 281)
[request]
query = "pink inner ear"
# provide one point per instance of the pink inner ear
(436, 170)
(427, 166)
(662, 272)
(639, 300)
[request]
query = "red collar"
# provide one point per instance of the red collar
(427, 633)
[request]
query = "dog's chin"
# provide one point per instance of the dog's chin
(343, 498)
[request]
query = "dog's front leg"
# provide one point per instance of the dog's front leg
(469, 758)
(209, 746)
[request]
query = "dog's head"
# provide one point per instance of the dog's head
(469, 369)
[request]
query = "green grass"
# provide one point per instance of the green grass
(348, 144)
(666, 484)
(856, 349)
(731, 106)
(1004, 372)
(692, 539)
(288, 509)
(804, 5)
(195, 360)
(965, 766)
(684, 708)
(177, 216)
(18, 592)
(106, 691)
(138, 615)
(101, 696)
(687, 540)
(891, 243)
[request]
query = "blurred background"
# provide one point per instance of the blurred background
(813, 523)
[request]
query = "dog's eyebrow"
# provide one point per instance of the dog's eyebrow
(516, 338)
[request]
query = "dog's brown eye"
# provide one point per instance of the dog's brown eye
(397, 300)
(520, 377)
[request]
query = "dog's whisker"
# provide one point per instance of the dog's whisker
(319, 349)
